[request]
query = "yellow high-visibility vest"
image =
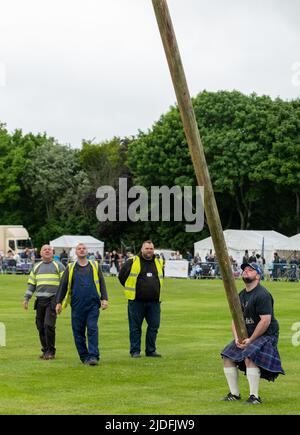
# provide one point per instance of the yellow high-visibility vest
(44, 279)
(71, 266)
(130, 284)
(161, 262)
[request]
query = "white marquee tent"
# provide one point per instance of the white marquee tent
(70, 242)
(286, 249)
(296, 238)
(238, 241)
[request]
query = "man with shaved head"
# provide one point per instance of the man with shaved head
(44, 281)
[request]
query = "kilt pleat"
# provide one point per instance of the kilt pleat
(263, 352)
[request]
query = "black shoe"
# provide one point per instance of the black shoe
(135, 355)
(92, 362)
(253, 400)
(154, 355)
(231, 398)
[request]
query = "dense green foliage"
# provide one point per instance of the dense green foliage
(188, 379)
(252, 147)
(252, 150)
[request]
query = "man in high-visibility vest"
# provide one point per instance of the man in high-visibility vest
(83, 287)
(142, 278)
(44, 280)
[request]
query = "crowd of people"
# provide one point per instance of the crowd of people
(112, 261)
(18, 262)
(279, 268)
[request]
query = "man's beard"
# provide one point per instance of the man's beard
(248, 280)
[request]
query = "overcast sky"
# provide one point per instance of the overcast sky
(84, 69)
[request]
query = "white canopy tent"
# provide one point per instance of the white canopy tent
(69, 243)
(296, 238)
(166, 252)
(238, 241)
(287, 249)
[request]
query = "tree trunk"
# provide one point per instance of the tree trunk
(240, 212)
(249, 213)
(228, 225)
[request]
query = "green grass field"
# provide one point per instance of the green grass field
(195, 326)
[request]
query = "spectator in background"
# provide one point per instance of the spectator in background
(209, 258)
(56, 257)
(31, 255)
(246, 257)
(189, 256)
(106, 262)
(64, 258)
(115, 260)
(276, 267)
(234, 265)
(293, 267)
(91, 256)
(252, 258)
(17, 257)
(178, 256)
(259, 261)
(98, 257)
(197, 258)
(10, 262)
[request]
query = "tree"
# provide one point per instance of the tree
(58, 187)
(14, 155)
(282, 165)
(238, 133)
(104, 164)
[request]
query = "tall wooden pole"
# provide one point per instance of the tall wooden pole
(198, 157)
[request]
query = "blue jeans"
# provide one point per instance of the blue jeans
(137, 312)
(83, 319)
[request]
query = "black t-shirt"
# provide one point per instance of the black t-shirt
(256, 303)
(148, 284)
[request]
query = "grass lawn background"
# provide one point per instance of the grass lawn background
(195, 327)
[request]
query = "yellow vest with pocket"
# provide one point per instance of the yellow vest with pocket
(130, 284)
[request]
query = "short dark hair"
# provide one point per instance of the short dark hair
(147, 241)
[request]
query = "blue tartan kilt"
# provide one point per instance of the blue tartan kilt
(263, 352)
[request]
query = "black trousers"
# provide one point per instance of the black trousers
(45, 323)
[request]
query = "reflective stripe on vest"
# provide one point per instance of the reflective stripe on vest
(44, 278)
(71, 266)
(130, 284)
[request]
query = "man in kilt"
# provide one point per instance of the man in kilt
(257, 356)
